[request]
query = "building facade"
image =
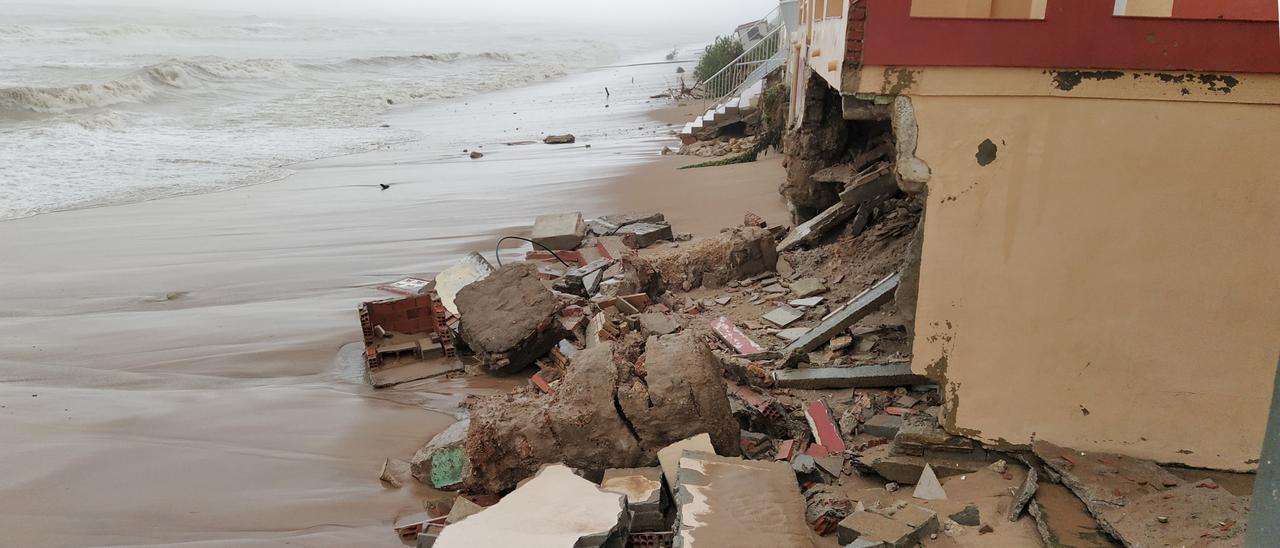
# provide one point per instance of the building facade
(1100, 257)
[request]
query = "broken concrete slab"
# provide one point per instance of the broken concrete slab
(442, 462)
(783, 316)
(509, 318)
(608, 225)
(921, 433)
(555, 508)
(1062, 521)
(1024, 494)
(472, 268)
(720, 502)
(669, 456)
(865, 376)
(813, 229)
(1104, 480)
(928, 487)
(643, 489)
(733, 254)
(903, 529)
(870, 187)
(653, 323)
(559, 230)
(734, 337)
(807, 287)
(848, 314)
(583, 281)
(642, 235)
(392, 375)
(907, 469)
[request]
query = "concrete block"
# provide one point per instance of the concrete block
(642, 235)
(559, 230)
(883, 425)
(643, 489)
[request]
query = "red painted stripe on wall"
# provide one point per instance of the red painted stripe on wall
(1080, 34)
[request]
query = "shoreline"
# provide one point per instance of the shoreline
(204, 332)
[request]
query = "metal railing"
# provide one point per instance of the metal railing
(762, 58)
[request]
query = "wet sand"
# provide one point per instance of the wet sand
(181, 372)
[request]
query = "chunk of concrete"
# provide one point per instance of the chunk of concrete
(921, 432)
(724, 501)
(835, 323)
(1104, 480)
(734, 254)
(1024, 494)
(642, 235)
(865, 376)
(968, 517)
(509, 318)
(883, 425)
(395, 472)
(928, 487)
(442, 462)
(559, 230)
(807, 287)
(555, 508)
(669, 456)
(654, 323)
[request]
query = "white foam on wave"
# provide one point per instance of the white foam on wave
(204, 123)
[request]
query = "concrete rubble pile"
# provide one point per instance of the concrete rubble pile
(723, 392)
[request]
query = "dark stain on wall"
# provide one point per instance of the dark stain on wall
(986, 152)
(1067, 80)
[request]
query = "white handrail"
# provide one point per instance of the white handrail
(751, 66)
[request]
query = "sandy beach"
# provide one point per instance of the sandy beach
(179, 372)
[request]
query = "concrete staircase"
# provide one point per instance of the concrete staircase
(730, 111)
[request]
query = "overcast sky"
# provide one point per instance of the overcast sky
(631, 13)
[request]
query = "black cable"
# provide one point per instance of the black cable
(504, 238)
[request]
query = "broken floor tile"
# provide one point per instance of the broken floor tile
(734, 337)
(823, 425)
(806, 302)
(791, 334)
(783, 316)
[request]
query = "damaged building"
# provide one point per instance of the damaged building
(1098, 252)
(1011, 308)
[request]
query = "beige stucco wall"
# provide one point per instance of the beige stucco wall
(1111, 281)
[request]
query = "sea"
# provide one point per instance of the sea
(109, 106)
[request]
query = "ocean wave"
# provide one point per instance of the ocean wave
(451, 57)
(139, 86)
